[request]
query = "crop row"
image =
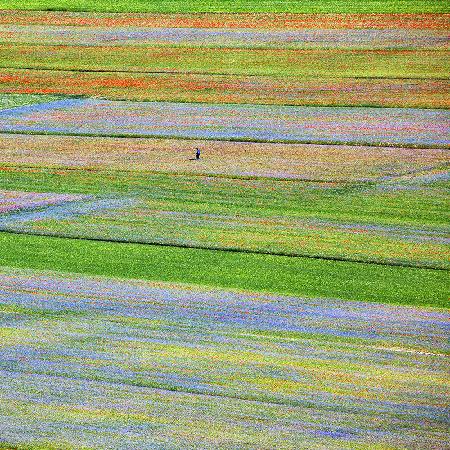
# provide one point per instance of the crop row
(415, 93)
(232, 21)
(238, 6)
(225, 38)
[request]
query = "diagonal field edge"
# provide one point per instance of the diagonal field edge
(293, 179)
(300, 277)
(187, 72)
(227, 249)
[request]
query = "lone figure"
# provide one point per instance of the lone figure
(197, 153)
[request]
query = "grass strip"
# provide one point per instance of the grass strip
(8, 101)
(231, 249)
(232, 6)
(325, 63)
(253, 272)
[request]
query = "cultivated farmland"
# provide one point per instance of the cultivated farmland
(313, 372)
(372, 126)
(288, 289)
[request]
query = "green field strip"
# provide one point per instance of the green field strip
(208, 74)
(175, 173)
(15, 100)
(278, 62)
(359, 221)
(352, 203)
(5, 91)
(375, 261)
(276, 6)
(228, 139)
(276, 274)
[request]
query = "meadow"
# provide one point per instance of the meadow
(259, 216)
(289, 289)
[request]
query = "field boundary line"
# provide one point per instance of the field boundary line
(185, 173)
(232, 74)
(365, 181)
(207, 74)
(257, 47)
(291, 402)
(228, 250)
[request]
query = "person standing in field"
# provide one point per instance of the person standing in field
(197, 153)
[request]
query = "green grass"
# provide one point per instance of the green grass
(357, 202)
(266, 62)
(263, 215)
(277, 274)
(364, 203)
(15, 100)
(265, 6)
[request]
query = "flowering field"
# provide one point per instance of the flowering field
(362, 222)
(226, 37)
(15, 201)
(203, 88)
(392, 126)
(100, 363)
(346, 59)
(405, 21)
(334, 163)
(286, 290)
